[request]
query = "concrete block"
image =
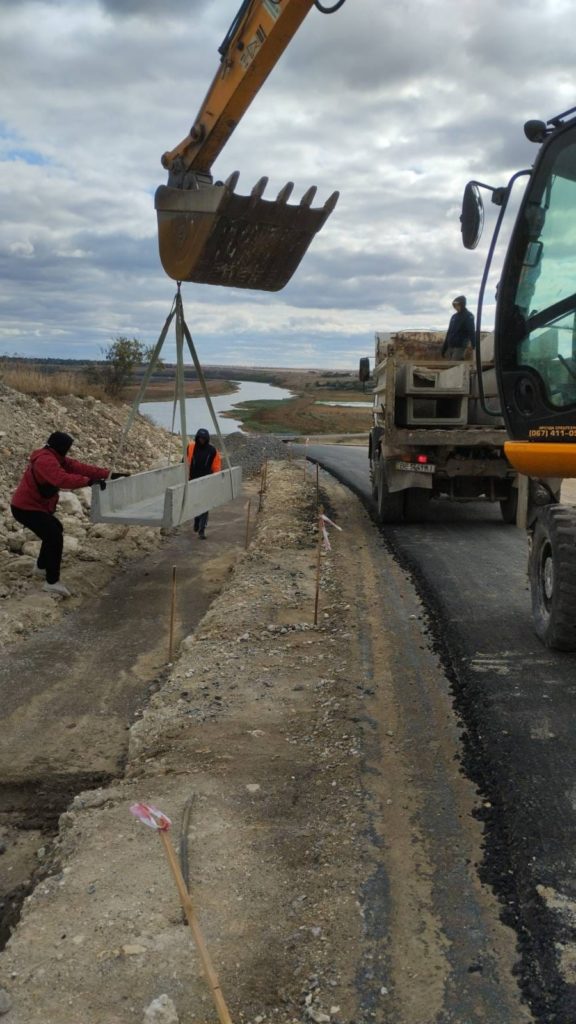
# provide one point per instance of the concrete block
(436, 411)
(419, 379)
(489, 383)
(477, 416)
(163, 497)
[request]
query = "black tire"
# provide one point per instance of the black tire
(509, 507)
(374, 474)
(552, 572)
(389, 506)
(416, 502)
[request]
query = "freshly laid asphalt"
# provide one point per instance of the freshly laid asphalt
(517, 703)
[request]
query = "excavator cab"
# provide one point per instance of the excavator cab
(536, 314)
(212, 235)
(535, 362)
(535, 326)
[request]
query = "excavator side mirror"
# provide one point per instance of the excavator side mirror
(472, 216)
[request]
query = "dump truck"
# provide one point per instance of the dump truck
(431, 437)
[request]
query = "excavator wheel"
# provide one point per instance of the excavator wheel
(389, 505)
(552, 572)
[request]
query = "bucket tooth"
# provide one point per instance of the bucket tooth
(212, 235)
(258, 190)
(285, 192)
(308, 197)
(232, 181)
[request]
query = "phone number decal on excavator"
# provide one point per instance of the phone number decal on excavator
(551, 432)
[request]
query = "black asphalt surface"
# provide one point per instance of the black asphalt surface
(517, 702)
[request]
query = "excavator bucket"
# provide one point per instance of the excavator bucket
(213, 236)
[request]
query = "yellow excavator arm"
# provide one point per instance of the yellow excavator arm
(206, 232)
(255, 42)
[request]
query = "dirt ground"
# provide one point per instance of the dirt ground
(299, 767)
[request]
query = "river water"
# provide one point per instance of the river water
(198, 414)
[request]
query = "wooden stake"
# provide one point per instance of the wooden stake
(261, 492)
(248, 507)
(172, 616)
(188, 908)
(318, 565)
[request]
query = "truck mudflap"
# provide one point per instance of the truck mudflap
(211, 235)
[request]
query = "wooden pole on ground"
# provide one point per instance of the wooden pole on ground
(188, 908)
(172, 615)
(262, 483)
(248, 507)
(318, 564)
(318, 485)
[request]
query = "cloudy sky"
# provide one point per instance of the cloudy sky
(396, 105)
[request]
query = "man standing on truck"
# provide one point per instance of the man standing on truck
(461, 331)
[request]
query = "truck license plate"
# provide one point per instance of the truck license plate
(416, 467)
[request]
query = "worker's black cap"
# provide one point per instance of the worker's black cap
(60, 442)
(460, 299)
(202, 435)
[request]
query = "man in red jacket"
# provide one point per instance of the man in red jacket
(35, 499)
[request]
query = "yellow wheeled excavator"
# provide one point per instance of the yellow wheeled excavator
(535, 359)
(207, 233)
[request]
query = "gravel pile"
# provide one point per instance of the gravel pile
(250, 450)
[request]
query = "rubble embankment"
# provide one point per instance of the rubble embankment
(92, 551)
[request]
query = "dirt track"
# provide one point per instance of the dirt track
(332, 840)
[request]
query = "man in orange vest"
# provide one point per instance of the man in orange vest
(202, 459)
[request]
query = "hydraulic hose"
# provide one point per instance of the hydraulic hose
(328, 10)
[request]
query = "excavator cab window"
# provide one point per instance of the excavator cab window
(538, 309)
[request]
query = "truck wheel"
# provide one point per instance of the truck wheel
(374, 474)
(509, 507)
(416, 502)
(390, 506)
(552, 571)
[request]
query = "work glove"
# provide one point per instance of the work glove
(116, 476)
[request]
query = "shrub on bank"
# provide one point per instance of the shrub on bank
(29, 380)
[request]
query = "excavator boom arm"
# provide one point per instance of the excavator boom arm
(206, 231)
(262, 31)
